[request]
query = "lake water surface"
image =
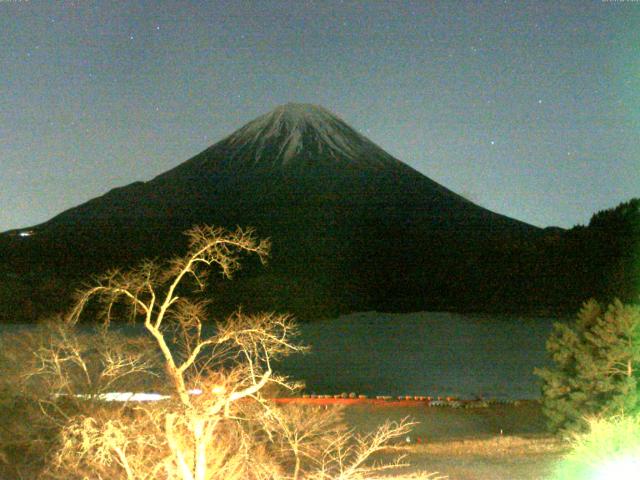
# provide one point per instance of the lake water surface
(427, 353)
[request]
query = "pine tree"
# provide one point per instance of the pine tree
(597, 362)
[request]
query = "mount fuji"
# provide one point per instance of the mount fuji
(298, 154)
(352, 227)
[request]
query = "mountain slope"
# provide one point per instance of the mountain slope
(296, 154)
(352, 227)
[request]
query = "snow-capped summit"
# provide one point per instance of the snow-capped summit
(295, 130)
(296, 122)
(292, 138)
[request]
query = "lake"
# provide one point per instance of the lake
(426, 353)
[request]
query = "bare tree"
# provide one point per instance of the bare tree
(216, 421)
(152, 293)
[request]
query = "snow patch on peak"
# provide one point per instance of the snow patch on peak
(298, 129)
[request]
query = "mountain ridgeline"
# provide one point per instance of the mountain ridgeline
(352, 228)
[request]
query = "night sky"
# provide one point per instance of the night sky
(531, 109)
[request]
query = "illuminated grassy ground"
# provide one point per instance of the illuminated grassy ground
(466, 444)
(497, 458)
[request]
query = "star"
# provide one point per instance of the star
(539, 101)
(493, 142)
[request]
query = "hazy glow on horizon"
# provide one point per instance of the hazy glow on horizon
(530, 109)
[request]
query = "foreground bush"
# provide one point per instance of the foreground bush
(216, 422)
(596, 366)
(611, 450)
